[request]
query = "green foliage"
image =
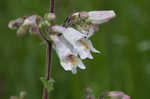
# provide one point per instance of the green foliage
(49, 84)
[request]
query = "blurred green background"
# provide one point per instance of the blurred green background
(123, 65)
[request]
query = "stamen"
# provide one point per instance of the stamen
(71, 59)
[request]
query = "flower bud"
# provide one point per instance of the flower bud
(126, 97)
(22, 94)
(99, 17)
(14, 24)
(88, 90)
(84, 14)
(34, 30)
(22, 30)
(114, 95)
(75, 15)
(89, 94)
(32, 23)
(95, 27)
(33, 20)
(50, 16)
(13, 97)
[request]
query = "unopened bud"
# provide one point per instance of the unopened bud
(14, 24)
(75, 16)
(33, 20)
(34, 29)
(114, 95)
(50, 16)
(89, 94)
(90, 97)
(13, 97)
(99, 17)
(25, 16)
(84, 14)
(95, 27)
(22, 30)
(22, 94)
(87, 90)
(126, 97)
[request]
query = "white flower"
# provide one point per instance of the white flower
(99, 17)
(114, 95)
(58, 28)
(96, 17)
(68, 59)
(82, 45)
(72, 35)
(86, 22)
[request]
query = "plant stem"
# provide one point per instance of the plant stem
(52, 4)
(48, 68)
(48, 55)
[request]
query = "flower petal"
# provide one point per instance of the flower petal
(80, 64)
(74, 70)
(83, 49)
(92, 48)
(68, 59)
(126, 97)
(66, 65)
(58, 28)
(72, 35)
(99, 17)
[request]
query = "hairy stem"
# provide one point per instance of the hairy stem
(48, 55)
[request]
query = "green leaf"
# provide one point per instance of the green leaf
(49, 84)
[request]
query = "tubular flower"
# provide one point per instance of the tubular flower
(94, 17)
(86, 22)
(118, 95)
(81, 45)
(70, 40)
(68, 59)
(114, 95)
(99, 17)
(126, 97)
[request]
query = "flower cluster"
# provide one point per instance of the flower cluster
(70, 40)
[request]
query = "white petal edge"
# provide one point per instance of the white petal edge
(72, 35)
(99, 17)
(92, 48)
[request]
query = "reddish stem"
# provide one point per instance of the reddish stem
(52, 4)
(48, 68)
(48, 55)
